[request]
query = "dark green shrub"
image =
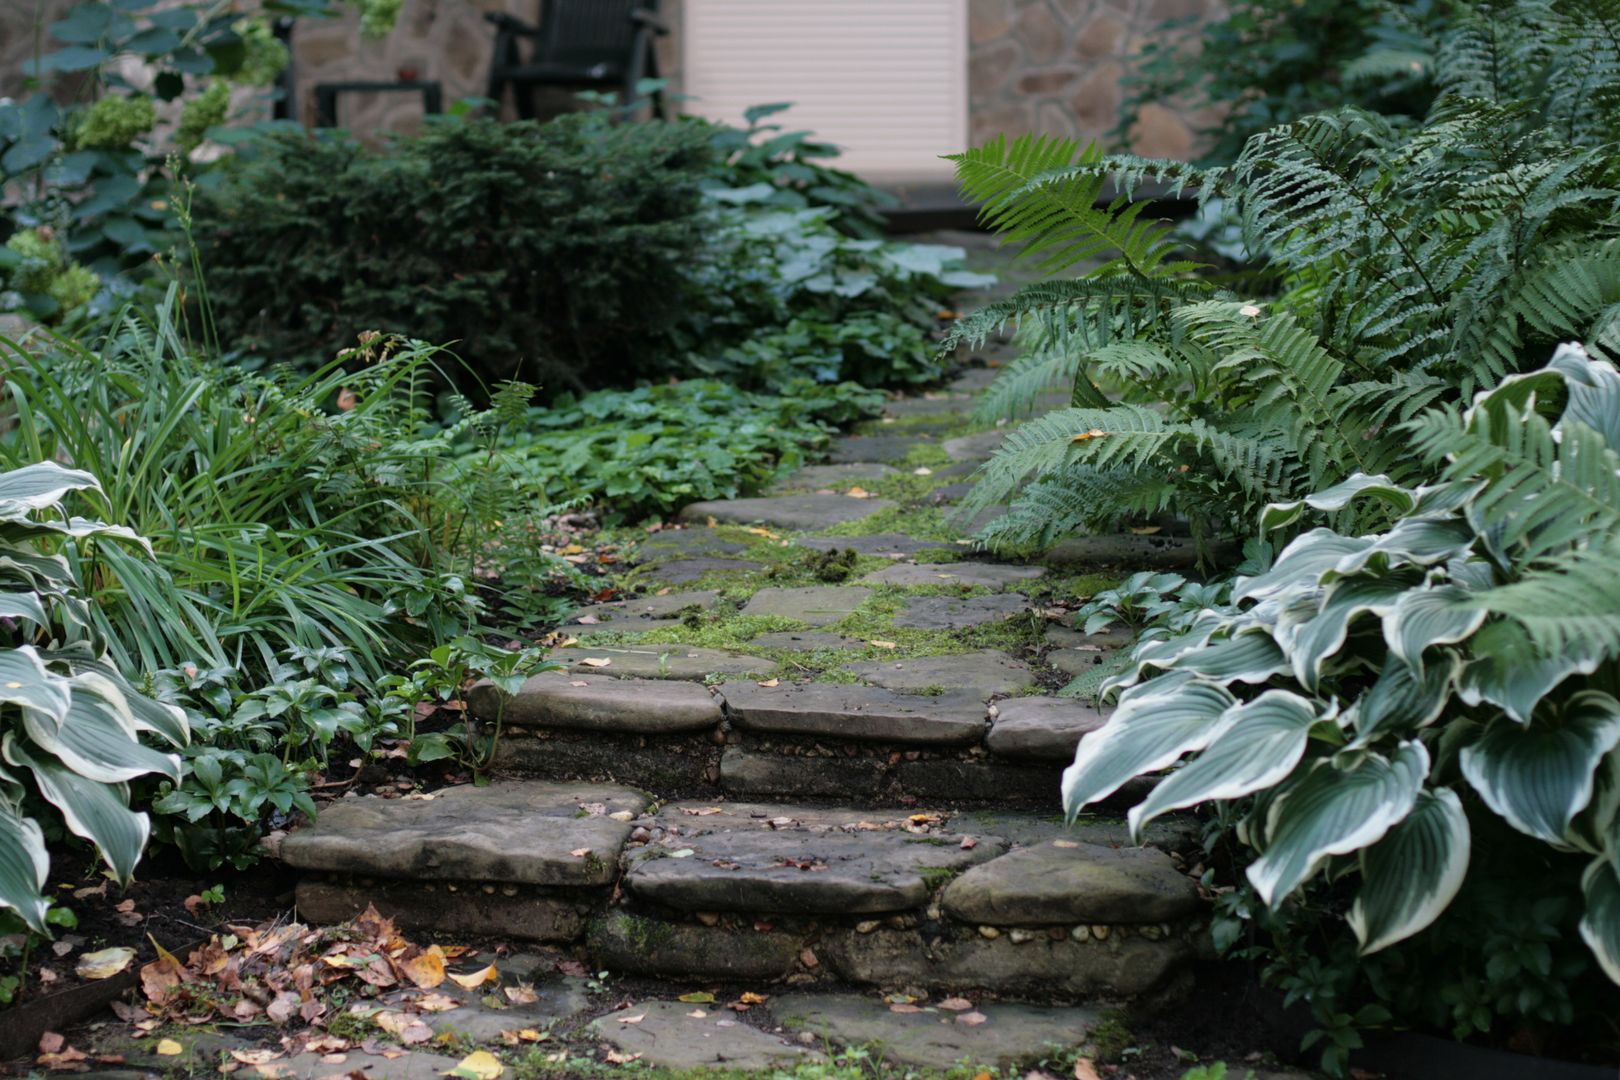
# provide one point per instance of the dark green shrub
(556, 252)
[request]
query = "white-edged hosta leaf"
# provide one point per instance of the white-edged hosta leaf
(1403, 699)
(1163, 652)
(1260, 743)
(14, 529)
(149, 714)
(1338, 497)
(1413, 873)
(1251, 657)
(1415, 542)
(1538, 776)
(1509, 671)
(1600, 924)
(97, 736)
(23, 605)
(1422, 618)
(24, 865)
(1594, 394)
(1306, 558)
(98, 812)
(34, 487)
(1154, 725)
(1311, 642)
(1335, 809)
(25, 681)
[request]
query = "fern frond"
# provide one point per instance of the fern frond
(1044, 192)
(1139, 303)
(1571, 601)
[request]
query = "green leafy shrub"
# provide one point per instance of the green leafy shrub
(1409, 266)
(558, 251)
(1409, 719)
(71, 725)
(656, 448)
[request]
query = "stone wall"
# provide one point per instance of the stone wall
(1054, 66)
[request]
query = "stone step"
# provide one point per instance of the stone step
(857, 713)
(837, 478)
(659, 661)
(1042, 728)
(809, 513)
(813, 605)
(887, 545)
(601, 703)
(965, 574)
(889, 449)
(640, 614)
(980, 675)
(960, 613)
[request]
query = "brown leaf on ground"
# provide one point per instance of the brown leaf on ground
(51, 1042)
(1085, 1070)
(425, 970)
(972, 1019)
(956, 1004)
(521, 995)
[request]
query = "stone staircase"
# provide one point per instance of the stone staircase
(807, 806)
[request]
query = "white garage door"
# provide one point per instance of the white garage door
(884, 79)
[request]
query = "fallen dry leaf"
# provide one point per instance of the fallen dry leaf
(478, 1065)
(956, 1004)
(168, 1048)
(905, 1008)
(579, 682)
(883, 644)
(1065, 844)
(256, 1056)
(51, 1042)
(521, 995)
(104, 964)
(638, 1018)
(597, 661)
(613, 1056)
(696, 997)
(488, 974)
(858, 493)
(751, 998)
(771, 682)
(1085, 1070)
(578, 853)
(971, 1019)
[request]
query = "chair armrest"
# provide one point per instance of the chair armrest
(510, 24)
(647, 20)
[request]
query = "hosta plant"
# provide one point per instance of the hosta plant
(1371, 703)
(70, 727)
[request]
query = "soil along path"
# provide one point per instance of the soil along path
(800, 792)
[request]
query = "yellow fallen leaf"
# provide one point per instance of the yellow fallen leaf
(169, 1048)
(571, 549)
(1094, 433)
(257, 1056)
(426, 969)
(697, 997)
(751, 998)
(104, 964)
(478, 1065)
(597, 661)
(771, 682)
(766, 533)
(858, 493)
(579, 853)
(883, 644)
(476, 979)
(1085, 1070)
(521, 995)
(1065, 844)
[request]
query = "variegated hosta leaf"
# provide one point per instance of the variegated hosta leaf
(1154, 725)
(1251, 657)
(24, 865)
(23, 605)
(1303, 561)
(1260, 743)
(25, 681)
(1338, 497)
(1404, 700)
(1600, 925)
(1311, 642)
(1539, 775)
(1594, 393)
(1414, 542)
(1163, 652)
(149, 714)
(1332, 810)
(1413, 873)
(1442, 615)
(16, 529)
(37, 486)
(1508, 671)
(98, 812)
(97, 736)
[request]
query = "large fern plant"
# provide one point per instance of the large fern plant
(1372, 702)
(1408, 267)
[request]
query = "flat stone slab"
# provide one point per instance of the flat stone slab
(806, 512)
(690, 543)
(973, 380)
(813, 605)
(1172, 832)
(622, 942)
(415, 905)
(863, 448)
(602, 703)
(993, 575)
(1050, 885)
(659, 661)
(763, 774)
(888, 545)
(639, 614)
(805, 641)
(1130, 550)
(960, 613)
(856, 712)
(980, 675)
(1075, 653)
(836, 477)
(997, 1036)
(929, 405)
(686, 571)
(675, 1035)
(778, 858)
(976, 447)
(555, 999)
(1046, 728)
(519, 831)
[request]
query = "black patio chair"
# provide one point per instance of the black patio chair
(578, 44)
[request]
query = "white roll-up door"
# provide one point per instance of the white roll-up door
(884, 79)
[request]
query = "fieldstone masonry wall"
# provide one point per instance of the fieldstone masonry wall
(1052, 66)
